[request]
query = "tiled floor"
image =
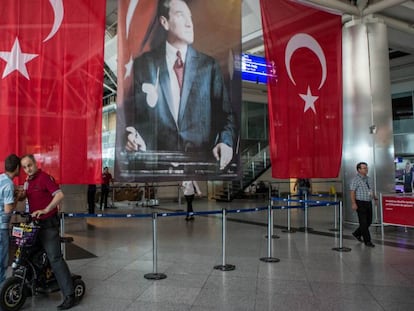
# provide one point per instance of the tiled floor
(309, 276)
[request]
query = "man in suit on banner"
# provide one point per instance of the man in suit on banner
(178, 101)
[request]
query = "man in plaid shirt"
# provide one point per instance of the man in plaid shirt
(362, 193)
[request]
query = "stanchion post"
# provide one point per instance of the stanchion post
(289, 229)
(179, 209)
(382, 216)
(341, 248)
(269, 257)
(335, 228)
(306, 211)
(224, 266)
(113, 197)
(154, 275)
(62, 233)
(305, 227)
(179, 195)
(270, 202)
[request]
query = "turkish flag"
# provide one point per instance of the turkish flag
(303, 44)
(51, 81)
(138, 29)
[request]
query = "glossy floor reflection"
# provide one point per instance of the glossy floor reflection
(309, 276)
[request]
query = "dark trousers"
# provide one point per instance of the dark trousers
(50, 239)
(91, 200)
(104, 195)
(189, 199)
(365, 219)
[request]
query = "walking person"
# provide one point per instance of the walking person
(190, 189)
(362, 193)
(91, 198)
(303, 186)
(106, 180)
(44, 197)
(408, 178)
(8, 201)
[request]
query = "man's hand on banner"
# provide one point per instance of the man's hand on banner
(135, 142)
(152, 91)
(224, 153)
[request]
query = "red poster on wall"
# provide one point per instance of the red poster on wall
(398, 210)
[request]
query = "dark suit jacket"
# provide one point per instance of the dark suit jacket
(205, 115)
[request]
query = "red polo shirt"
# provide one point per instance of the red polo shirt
(106, 178)
(40, 191)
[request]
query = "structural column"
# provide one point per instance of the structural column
(367, 110)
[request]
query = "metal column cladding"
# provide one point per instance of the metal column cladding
(367, 111)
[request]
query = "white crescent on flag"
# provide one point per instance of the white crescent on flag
(303, 40)
(57, 6)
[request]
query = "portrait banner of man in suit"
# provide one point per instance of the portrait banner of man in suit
(179, 90)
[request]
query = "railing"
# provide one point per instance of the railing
(255, 160)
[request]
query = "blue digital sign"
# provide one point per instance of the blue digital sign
(255, 69)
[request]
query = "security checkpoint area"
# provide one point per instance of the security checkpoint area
(168, 263)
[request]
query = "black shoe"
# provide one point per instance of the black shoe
(187, 218)
(68, 303)
(358, 237)
(191, 217)
(369, 244)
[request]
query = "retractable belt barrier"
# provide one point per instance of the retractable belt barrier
(224, 266)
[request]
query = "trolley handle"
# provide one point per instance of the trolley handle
(25, 215)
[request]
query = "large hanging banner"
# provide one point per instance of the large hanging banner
(305, 103)
(178, 104)
(51, 77)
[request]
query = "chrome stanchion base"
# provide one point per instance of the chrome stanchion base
(269, 259)
(341, 249)
(155, 276)
(226, 267)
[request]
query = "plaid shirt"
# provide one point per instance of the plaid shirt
(363, 187)
(6, 197)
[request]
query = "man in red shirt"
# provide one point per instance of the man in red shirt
(44, 196)
(106, 180)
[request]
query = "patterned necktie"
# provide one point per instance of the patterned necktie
(179, 69)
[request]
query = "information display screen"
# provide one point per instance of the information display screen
(255, 69)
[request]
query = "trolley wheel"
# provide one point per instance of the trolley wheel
(79, 289)
(12, 296)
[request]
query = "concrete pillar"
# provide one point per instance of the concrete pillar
(75, 201)
(367, 111)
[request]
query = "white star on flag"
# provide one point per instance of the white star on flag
(128, 67)
(309, 100)
(16, 60)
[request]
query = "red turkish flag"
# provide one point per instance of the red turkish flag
(137, 29)
(51, 81)
(305, 103)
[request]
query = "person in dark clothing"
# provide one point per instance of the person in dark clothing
(91, 198)
(408, 178)
(362, 193)
(44, 196)
(302, 185)
(106, 180)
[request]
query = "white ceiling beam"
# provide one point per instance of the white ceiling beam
(381, 5)
(335, 5)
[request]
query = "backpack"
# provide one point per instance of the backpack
(304, 183)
